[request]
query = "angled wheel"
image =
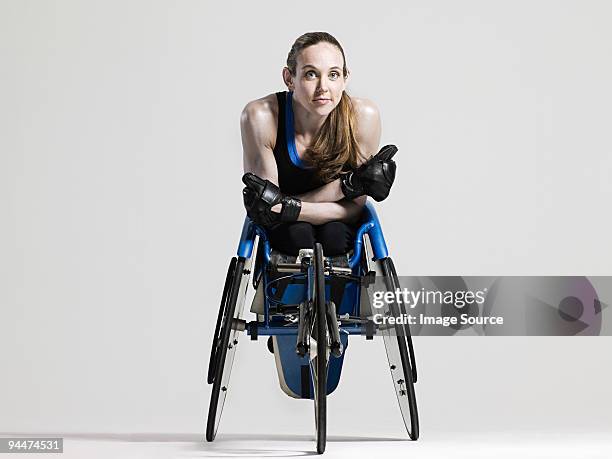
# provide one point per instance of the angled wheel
(398, 344)
(407, 334)
(226, 340)
(319, 362)
(212, 363)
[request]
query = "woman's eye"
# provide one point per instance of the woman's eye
(334, 75)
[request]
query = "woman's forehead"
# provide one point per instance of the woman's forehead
(321, 56)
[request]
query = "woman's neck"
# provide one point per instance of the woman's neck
(305, 124)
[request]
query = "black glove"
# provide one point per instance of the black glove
(373, 178)
(261, 195)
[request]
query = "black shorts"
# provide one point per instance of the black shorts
(336, 237)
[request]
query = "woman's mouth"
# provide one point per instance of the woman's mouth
(322, 101)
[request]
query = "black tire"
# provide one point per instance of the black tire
(408, 336)
(320, 380)
(212, 363)
(402, 335)
(214, 411)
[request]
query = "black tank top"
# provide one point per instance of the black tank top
(294, 176)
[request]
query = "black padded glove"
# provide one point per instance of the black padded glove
(373, 178)
(261, 195)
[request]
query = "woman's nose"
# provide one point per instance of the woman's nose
(323, 85)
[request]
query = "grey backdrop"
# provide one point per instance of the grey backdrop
(120, 165)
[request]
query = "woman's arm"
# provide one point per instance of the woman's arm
(330, 192)
(258, 131)
(319, 213)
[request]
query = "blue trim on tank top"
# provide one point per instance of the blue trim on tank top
(290, 134)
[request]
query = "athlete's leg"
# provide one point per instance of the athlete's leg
(336, 237)
(288, 238)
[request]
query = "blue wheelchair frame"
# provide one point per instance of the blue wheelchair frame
(398, 343)
(370, 225)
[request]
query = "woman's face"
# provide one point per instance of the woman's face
(318, 82)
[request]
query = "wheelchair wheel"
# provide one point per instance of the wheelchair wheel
(407, 335)
(401, 359)
(212, 363)
(224, 347)
(319, 363)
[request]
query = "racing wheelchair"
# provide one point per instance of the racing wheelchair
(308, 332)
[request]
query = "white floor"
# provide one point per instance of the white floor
(438, 445)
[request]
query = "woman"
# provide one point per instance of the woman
(306, 151)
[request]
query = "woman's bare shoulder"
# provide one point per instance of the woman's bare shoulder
(368, 127)
(258, 122)
(365, 108)
(263, 110)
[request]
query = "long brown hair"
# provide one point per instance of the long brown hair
(334, 145)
